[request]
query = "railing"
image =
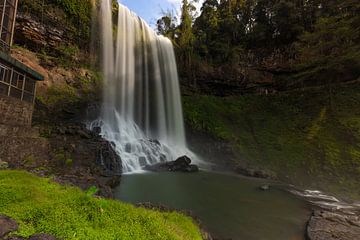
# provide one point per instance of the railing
(4, 46)
(16, 84)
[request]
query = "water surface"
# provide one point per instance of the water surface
(229, 206)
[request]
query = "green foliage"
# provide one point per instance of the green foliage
(41, 206)
(29, 161)
(332, 51)
(79, 12)
(92, 191)
(59, 95)
(301, 133)
(69, 162)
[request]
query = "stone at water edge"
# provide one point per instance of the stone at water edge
(192, 168)
(3, 165)
(182, 164)
(265, 187)
(325, 225)
(7, 225)
(256, 173)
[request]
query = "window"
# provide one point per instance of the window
(7, 17)
(15, 84)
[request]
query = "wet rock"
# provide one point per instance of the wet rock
(109, 159)
(182, 164)
(324, 225)
(155, 141)
(142, 161)
(128, 147)
(86, 147)
(192, 168)
(96, 130)
(183, 161)
(7, 225)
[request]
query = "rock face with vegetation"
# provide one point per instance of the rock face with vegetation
(298, 135)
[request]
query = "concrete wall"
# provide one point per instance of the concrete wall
(15, 112)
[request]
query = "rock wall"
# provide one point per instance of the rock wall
(22, 146)
(15, 112)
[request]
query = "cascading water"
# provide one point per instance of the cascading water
(142, 112)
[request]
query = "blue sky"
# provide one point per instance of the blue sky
(150, 10)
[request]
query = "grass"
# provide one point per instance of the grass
(297, 134)
(41, 206)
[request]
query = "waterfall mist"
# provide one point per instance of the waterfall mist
(141, 110)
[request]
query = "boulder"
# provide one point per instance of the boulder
(192, 168)
(325, 225)
(182, 164)
(7, 225)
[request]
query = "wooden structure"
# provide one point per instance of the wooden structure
(16, 79)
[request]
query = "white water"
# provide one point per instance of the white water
(142, 112)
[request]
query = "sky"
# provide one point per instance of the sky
(150, 10)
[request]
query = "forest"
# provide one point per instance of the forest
(302, 42)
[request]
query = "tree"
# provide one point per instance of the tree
(166, 25)
(185, 39)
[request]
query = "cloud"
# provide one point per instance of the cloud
(178, 2)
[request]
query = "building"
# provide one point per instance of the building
(17, 81)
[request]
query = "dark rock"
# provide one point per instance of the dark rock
(109, 159)
(128, 147)
(84, 134)
(113, 182)
(42, 236)
(182, 161)
(257, 173)
(142, 161)
(324, 225)
(7, 225)
(155, 141)
(192, 168)
(96, 130)
(182, 164)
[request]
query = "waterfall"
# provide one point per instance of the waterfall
(141, 110)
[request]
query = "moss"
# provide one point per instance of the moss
(294, 134)
(41, 206)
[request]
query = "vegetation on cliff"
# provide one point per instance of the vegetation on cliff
(305, 137)
(301, 42)
(41, 206)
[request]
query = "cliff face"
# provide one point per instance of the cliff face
(48, 40)
(35, 35)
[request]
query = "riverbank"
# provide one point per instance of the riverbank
(39, 205)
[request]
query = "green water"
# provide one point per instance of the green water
(230, 207)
